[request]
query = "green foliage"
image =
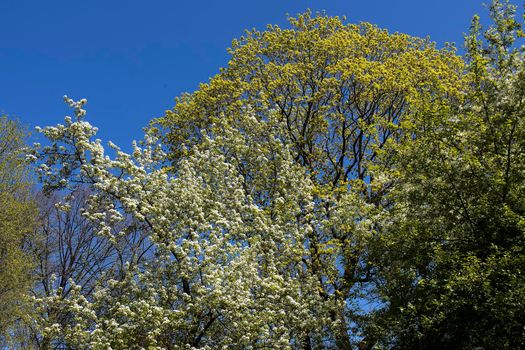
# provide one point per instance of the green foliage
(16, 224)
(454, 259)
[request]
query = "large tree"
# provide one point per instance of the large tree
(339, 96)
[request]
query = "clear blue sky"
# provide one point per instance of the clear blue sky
(130, 59)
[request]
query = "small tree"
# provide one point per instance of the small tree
(17, 214)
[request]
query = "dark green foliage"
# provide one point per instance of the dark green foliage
(454, 264)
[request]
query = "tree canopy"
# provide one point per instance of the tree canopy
(336, 186)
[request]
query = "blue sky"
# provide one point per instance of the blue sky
(130, 59)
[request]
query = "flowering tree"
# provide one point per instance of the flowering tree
(227, 271)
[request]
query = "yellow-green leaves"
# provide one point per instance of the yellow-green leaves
(339, 90)
(17, 215)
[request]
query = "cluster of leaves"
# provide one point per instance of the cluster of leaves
(336, 186)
